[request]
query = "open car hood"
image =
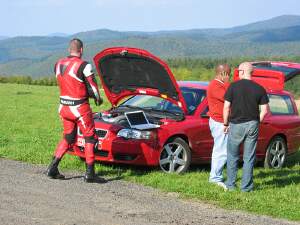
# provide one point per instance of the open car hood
(272, 75)
(127, 71)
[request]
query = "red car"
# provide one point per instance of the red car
(136, 81)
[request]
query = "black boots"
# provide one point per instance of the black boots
(52, 170)
(89, 176)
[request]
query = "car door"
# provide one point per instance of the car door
(202, 139)
(283, 119)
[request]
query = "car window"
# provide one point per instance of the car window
(281, 105)
(193, 97)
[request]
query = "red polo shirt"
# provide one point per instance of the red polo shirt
(215, 96)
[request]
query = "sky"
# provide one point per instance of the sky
(43, 17)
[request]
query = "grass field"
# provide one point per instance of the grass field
(30, 129)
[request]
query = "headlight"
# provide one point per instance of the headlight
(134, 134)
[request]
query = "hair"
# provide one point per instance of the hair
(75, 45)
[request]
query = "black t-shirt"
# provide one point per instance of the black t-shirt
(245, 97)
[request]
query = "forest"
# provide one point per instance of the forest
(200, 69)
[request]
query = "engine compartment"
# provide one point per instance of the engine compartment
(112, 117)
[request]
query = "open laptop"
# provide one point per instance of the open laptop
(138, 120)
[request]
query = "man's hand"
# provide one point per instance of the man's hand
(263, 111)
(226, 129)
(99, 101)
(225, 76)
(226, 110)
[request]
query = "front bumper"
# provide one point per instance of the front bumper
(114, 149)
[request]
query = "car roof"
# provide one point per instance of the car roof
(194, 84)
(204, 85)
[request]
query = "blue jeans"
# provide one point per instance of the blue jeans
(219, 152)
(246, 133)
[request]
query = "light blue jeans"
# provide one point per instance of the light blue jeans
(246, 133)
(219, 152)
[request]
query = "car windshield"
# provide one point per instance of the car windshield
(192, 96)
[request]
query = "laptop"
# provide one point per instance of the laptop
(138, 120)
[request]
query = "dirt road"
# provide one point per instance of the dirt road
(27, 196)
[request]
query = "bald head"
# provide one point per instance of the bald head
(245, 70)
(222, 72)
(76, 47)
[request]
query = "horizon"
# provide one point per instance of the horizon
(36, 18)
(61, 34)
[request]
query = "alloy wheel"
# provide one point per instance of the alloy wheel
(174, 158)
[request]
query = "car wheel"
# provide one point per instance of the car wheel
(276, 153)
(175, 156)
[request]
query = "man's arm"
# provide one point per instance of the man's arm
(263, 111)
(91, 81)
(226, 111)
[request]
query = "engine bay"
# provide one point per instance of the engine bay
(120, 118)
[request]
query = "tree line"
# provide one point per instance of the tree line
(43, 81)
(182, 68)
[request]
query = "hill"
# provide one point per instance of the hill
(3, 37)
(36, 55)
(274, 23)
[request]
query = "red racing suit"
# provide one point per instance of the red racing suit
(74, 78)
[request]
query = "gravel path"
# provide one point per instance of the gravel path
(27, 196)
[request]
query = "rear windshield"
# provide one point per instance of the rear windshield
(288, 72)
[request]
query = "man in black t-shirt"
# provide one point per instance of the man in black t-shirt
(242, 101)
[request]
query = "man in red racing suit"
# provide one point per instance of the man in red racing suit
(76, 83)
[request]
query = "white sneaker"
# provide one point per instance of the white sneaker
(222, 185)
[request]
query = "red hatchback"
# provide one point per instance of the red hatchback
(155, 120)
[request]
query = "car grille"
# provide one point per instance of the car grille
(124, 157)
(101, 133)
(101, 153)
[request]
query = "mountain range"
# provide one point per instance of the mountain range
(36, 55)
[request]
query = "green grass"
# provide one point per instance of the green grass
(30, 129)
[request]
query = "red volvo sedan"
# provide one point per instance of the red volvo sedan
(172, 119)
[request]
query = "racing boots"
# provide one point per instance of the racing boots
(89, 176)
(52, 170)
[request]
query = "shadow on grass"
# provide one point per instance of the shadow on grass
(293, 159)
(279, 178)
(119, 170)
(288, 175)
(282, 177)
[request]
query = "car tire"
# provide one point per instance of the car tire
(175, 156)
(276, 153)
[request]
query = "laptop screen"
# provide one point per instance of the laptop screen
(136, 118)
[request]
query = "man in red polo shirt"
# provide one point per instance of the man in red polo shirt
(215, 95)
